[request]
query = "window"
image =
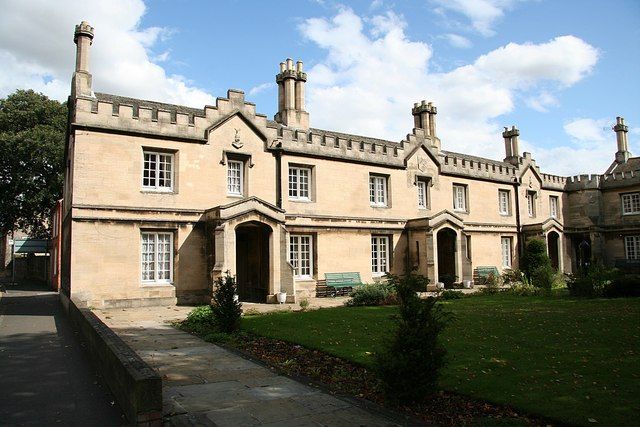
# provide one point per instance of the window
(157, 257)
(503, 202)
(468, 239)
(378, 190)
(423, 196)
(460, 198)
(301, 255)
(553, 206)
(379, 255)
(299, 180)
(234, 177)
(531, 203)
(632, 247)
(630, 203)
(157, 171)
(506, 251)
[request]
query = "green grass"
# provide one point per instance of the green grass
(569, 359)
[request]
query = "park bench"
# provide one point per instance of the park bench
(481, 274)
(337, 284)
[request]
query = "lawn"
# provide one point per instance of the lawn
(574, 360)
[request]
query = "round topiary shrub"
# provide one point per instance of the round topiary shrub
(534, 257)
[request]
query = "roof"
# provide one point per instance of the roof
(136, 103)
(632, 164)
(475, 158)
(365, 139)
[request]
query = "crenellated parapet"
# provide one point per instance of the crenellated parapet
(583, 182)
(554, 182)
(129, 115)
(477, 167)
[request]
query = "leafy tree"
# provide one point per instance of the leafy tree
(534, 257)
(410, 362)
(32, 133)
(225, 306)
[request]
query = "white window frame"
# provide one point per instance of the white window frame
(632, 247)
(157, 171)
(504, 202)
(422, 194)
(231, 186)
(297, 184)
(459, 198)
(531, 203)
(297, 255)
(380, 255)
(553, 206)
(630, 203)
(378, 191)
(154, 270)
(505, 251)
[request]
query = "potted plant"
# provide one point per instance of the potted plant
(282, 297)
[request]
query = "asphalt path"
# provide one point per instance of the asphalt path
(46, 377)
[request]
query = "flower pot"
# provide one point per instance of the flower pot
(440, 286)
(236, 298)
(282, 297)
(466, 284)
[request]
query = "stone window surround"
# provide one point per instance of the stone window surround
(532, 197)
(310, 253)
(465, 197)
(507, 208)
(156, 232)
(247, 163)
(554, 206)
(427, 182)
(509, 255)
(311, 183)
(630, 198)
(376, 239)
(632, 247)
(377, 178)
(173, 156)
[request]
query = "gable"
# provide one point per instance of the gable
(236, 132)
(531, 179)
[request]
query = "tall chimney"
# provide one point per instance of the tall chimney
(621, 130)
(511, 145)
(81, 82)
(291, 92)
(424, 117)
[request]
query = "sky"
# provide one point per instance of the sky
(560, 71)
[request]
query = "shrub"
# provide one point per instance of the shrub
(226, 308)
(534, 257)
(409, 364)
(491, 285)
(624, 286)
(372, 294)
(199, 320)
(543, 277)
(304, 304)
(524, 289)
(449, 294)
(511, 276)
(591, 283)
(448, 280)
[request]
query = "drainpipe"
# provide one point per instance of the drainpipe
(516, 185)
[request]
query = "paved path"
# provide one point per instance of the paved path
(207, 385)
(45, 376)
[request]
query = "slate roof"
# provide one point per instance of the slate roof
(633, 164)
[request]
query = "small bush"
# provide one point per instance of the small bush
(534, 257)
(199, 320)
(491, 285)
(524, 289)
(304, 304)
(624, 286)
(543, 277)
(448, 280)
(372, 294)
(512, 276)
(409, 364)
(226, 309)
(449, 295)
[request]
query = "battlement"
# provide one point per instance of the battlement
(155, 118)
(477, 167)
(553, 181)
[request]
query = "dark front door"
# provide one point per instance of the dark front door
(447, 256)
(252, 261)
(552, 246)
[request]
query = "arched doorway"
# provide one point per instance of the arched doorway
(446, 240)
(252, 261)
(553, 248)
(583, 252)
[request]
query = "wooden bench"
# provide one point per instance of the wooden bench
(337, 284)
(481, 274)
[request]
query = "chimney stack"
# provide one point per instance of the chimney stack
(511, 145)
(291, 92)
(81, 82)
(424, 117)
(621, 130)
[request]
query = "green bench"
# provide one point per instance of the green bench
(342, 283)
(481, 274)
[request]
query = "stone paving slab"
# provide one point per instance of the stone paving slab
(204, 384)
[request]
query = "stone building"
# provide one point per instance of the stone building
(161, 199)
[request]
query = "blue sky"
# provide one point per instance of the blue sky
(559, 70)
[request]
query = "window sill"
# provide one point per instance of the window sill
(380, 206)
(156, 284)
(304, 279)
(505, 214)
(301, 200)
(150, 191)
(461, 211)
(235, 196)
(630, 213)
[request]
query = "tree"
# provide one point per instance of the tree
(225, 306)
(534, 257)
(32, 133)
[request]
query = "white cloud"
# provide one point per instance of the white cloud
(586, 130)
(542, 101)
(122, 58)
(457, 40)
(482, 14)
(373, 73)
(261, 88)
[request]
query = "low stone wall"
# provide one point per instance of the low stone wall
(135, 385)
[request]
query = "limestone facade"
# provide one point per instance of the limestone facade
(161, 199)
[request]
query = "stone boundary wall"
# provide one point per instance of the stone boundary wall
(135, 385)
